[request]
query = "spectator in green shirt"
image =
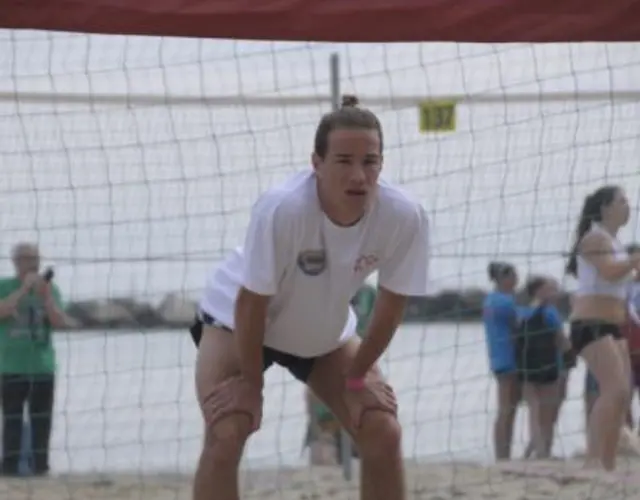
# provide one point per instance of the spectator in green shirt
(30, 308)
(323, 427)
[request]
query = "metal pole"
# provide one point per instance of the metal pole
(334, 69)
(345, 438)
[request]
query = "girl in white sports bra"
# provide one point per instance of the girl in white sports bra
(603, 269)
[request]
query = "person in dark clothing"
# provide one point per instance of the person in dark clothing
(542, 353)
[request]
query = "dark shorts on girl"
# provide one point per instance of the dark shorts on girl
(585, 332)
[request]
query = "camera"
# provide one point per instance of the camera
(48, 274)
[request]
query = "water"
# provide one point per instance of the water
(126, 402)
(139, 201)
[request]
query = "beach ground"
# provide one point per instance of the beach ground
(558, 480)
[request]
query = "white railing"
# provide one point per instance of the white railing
(402, 101)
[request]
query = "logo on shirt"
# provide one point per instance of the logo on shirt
(365, 263)
(312, 262)
(29, 320)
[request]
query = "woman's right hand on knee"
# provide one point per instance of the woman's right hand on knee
(234, 396)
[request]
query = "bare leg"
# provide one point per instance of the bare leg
(547, 395)
(606, 418)
(541, 401)
(378, 439)
(509, 396)
(217, 472)
(531, 447)
(629, 417)
(627, 420)
(321, 441)
(590, 396)
(561, 395)
(559, 398)
(533, 405)
(623, 351)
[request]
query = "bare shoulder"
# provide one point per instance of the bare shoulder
(595, 242)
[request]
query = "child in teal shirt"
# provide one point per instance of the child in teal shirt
(321, 420)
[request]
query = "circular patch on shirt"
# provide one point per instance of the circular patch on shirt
(312, 262)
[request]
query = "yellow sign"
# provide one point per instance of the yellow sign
(437, 116)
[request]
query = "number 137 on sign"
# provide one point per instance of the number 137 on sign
(437, 116)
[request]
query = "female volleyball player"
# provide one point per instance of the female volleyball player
(284, 298)
(500, 321)
(603, 270)
(631, 332)
(542, 350)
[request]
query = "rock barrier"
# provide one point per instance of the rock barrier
(177, 311)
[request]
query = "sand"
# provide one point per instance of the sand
(558, 480)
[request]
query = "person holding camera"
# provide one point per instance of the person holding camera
(30, 309)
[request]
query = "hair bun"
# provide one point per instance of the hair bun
(497, 270)
(349, 101)
(493, 269)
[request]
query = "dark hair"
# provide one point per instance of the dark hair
(349, 116)
(534, 284)
(498, 270)
(591, 212)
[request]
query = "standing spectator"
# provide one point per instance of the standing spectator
(324, 436)
(30, 308)
(603, 270)
(542, 354)
(500, 318)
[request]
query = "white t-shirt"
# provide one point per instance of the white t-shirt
(312, 268)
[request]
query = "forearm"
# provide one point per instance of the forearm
(387, 315)
(55, 314)
(250, 322)
(615, 270)
(9, 304)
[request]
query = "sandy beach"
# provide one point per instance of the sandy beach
(558, 480)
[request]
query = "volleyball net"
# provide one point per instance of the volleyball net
(134, 162)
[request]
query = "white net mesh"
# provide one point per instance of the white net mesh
(134, 163)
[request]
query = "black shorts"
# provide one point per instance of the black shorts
(586, 331)
(539, 364)
(299, 367)
(542, 376)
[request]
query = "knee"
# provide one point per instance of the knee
(225, 439)
(380, 436)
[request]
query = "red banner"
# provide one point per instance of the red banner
(337, 20)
